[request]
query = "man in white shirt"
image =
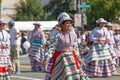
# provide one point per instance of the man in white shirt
(82, 35)
(15, 46)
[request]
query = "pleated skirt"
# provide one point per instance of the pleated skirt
(101, 68)
(100, 61)
(65, 66)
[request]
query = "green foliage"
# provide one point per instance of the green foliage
(55, 7)
(28, 10)
(32, 10)
(108, 9)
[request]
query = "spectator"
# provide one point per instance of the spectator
(15, 46)
(82, 35)
(23, 39)
(88, 40)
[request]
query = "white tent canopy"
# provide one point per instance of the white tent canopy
(28, 25)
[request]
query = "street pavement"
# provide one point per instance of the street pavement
(28, 75)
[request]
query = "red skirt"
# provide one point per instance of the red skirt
(3, 70)
(4, 74)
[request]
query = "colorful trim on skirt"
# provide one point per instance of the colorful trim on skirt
(36, 55)
(66, 67)
(4, 74)
(100, 68)
(99, 51)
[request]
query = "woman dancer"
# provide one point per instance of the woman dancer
(36, 51)
(63, 48)
(117, 45)
(5, 63)
(99, 62)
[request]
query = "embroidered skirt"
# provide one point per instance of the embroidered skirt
(100, 60)
(99, 51)
(66, 67)
(36, 55)
(117, 50)
(36, 50)
(101, 68)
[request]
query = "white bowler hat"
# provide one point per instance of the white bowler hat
(65, 18)
(36, 23)
(2, 21)
(101, 20)
(117, 28)
(109, 24)
(63, 14)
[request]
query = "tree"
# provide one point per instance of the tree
(28, 10)
(55, 7)
(108, 9)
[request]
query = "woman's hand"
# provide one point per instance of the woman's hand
(81, 62)
(4, 45)
(46, 61)
(11, 71)
(108, 40)
(37, 59)
(98, 40)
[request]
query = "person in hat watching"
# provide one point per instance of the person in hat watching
(99, 62)
(15, 46)
(5, 64)
(36, 51)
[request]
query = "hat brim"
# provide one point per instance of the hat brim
(102, 22)
(3, 23)
(109, 25)
(116, 29)
(37, 24)
(66, 19)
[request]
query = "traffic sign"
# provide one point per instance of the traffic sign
(4, 8)
(85, 6)
(77, 19)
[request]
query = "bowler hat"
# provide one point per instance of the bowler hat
(36, 23)
(65, 18)
(2, 21)
(109, 24)
(101, 20)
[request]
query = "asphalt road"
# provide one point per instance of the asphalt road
(28, 75)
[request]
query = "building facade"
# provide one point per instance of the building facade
(8, 8)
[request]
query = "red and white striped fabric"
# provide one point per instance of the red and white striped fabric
(5, 65)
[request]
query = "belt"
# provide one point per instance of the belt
(64, 50)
